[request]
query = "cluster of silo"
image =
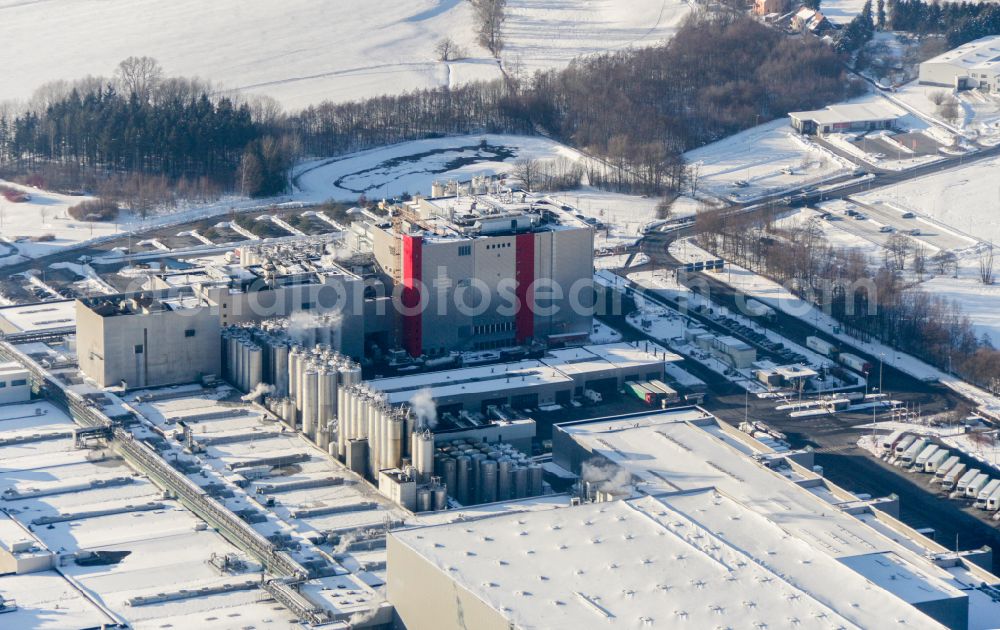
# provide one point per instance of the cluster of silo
(304, 381)
(432, 497)
(477, 472)
(365, 415)
(316, 376)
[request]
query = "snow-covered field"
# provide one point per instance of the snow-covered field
(413, 166)
(306, 51)
(45, 216)
(980, 117)
(966, 198)
(841, 11)
(763, 160)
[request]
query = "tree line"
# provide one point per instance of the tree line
(870, 301)
(636, 111)
(960, 22)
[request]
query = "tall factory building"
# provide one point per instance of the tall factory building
(485, 272)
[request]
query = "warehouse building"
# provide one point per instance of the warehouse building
(554, 379)
(147, 339)
(820, 529)
(15, 386)
(486, 271)
(845, 118)
(975, 65)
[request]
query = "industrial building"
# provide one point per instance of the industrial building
(485, 271)
(265, 281)
(555, 378)
(46, 317)
(845, 118)
(714, 529)
(147, 339)
(975, 65)
(14, 384)
(684, 451)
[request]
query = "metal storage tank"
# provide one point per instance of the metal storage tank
(520, 482)
(534, 480)
(424, 500)
(450, 476)
(503, 480)
(395, 440)
(423, 456)
(256, 370)
(488, 481)
(279, 354)
(463, 466)
(309, 402)
(475, 487)
(440, 498)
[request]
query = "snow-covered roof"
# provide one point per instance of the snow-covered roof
(685, 450)
(38, 317)
(657, 562)
(850, 112)
(980, 54)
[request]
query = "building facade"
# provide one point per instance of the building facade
(147, 339)
(469, 279)
(975, 65)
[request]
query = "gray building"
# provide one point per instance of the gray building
(975, 65)
(483, 272)
(147, 339)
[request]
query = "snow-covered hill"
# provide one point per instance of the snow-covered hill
(306, 51)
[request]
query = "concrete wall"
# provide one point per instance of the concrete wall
(148, 350)
(15, 386)
(426, 598)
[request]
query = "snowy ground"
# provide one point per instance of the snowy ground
(625, 216)
(980, 112)
(768, 159)
(966, 198)
(841, 11)
(306, 51)
(413, 166)
(46, 214)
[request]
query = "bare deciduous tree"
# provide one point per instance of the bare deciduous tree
(527, 171)
(139, 75)
(898, 247)
(447, 50)
(491, 15)
(986, 263)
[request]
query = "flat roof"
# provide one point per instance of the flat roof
(684, 450)
(979, 54)
(556, 367)
(851, 112)
(38, 317)
(651, 561)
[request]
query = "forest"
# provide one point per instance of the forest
(639, 110)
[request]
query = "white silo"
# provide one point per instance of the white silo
(309, 402)
(279, 354)
(255, 372)
(423, 455)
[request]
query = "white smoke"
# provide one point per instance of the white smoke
(261, 389)
(344, 542)
(607, 478)
(308, 328)
(424, 408)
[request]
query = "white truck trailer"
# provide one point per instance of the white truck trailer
(825, 348)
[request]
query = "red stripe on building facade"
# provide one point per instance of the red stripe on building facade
(524, 276)
(413, 264)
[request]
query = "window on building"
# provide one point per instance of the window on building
(306, 306)
(3, 384)
(464, 250)
(138, 348)
(19, 382)
(189, 332)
